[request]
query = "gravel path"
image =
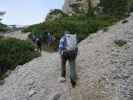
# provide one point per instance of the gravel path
(37, 80)
(105, 71)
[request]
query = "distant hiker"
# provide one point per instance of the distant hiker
(50, 39)
(68, 50)
(34, 39)
(39, 44)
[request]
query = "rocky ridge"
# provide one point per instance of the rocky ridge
(82, 4)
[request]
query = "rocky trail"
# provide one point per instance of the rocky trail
(105, 71)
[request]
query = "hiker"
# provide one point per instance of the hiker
(39, 44)
(50, 39)
(68, 50)
(34, 39)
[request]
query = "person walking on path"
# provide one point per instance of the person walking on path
(33, 39)
(39, 44)
(68, 51)
(50, 39)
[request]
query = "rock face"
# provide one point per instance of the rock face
(82, 4)
(17, 34)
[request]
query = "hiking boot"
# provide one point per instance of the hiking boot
(73, 83)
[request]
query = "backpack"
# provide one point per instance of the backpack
(38, 41)
(70, 41)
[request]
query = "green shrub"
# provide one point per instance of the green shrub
(1, 37)
(120, 43)
(55, 14)
(15, 52)
(119, 8)
(3, 28)
(124, 21)
(105, 29)
(82, 25)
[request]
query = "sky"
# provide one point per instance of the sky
(27, 12)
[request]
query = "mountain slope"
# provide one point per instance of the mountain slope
(105, 68)
(104, 71)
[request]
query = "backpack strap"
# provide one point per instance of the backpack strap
(62, 45)
(64, 42)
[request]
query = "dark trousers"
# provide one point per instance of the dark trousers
(39, 47)
(71, 57)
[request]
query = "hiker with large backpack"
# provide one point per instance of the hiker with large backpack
(68, 50)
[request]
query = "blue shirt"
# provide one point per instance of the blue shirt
(62, 44)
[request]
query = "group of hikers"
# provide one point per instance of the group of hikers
(68, 51)
(38, 41)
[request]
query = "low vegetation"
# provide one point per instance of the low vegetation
(82, 25)
(1, 37)
(3, 27)
(118, 8)
(15, 52)
(120, 43)
(55, 14)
